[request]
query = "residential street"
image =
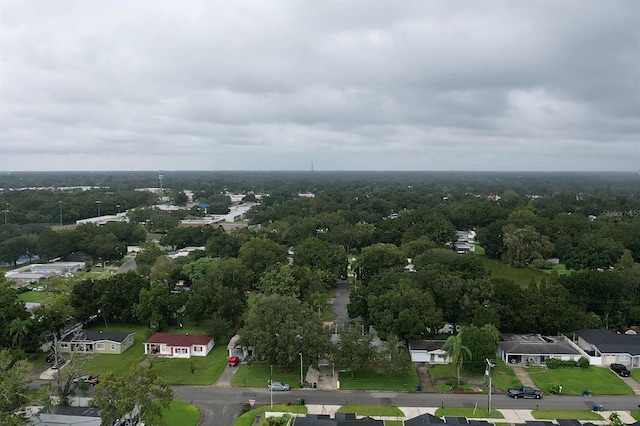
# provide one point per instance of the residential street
(221, 406)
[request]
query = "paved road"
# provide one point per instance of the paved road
(129, 265)
(339, 306)
(226, 401)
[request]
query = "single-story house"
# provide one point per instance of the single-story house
(173, 345)
(461, 247)
(428, 351)
(605, 347)
(96, 342)
(85, 416)
(339, 419)
(535, 349)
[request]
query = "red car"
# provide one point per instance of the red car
(234, 361)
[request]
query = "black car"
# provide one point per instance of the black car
(620, 370)
(524, 392)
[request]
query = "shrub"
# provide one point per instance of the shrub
(583, 362)
(559, 363)
(554, 389)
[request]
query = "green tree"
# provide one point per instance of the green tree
(139, 393)
(261, 254)
(319, 254)
(393, 357)
(378, 257)
(157, 305)
(15, 389)
(483, 344)
(280, 327)
(353, 351)
(279, 281)
(525, 245)
(19, 328)
(457, 352)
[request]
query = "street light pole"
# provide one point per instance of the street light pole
(98, 203)
(487, 372)
(301, 378)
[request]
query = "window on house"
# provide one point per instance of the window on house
(197, 348)
(113, 347)
(100, 346)
(64, 345)
(180, 351)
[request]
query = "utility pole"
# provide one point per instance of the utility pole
(98, 203)
(487, 372)
(6, 213)
(301, 378)
(60, 204)
(271, 388)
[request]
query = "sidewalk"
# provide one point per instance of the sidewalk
(510, 416)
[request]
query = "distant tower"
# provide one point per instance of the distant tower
(161, 179)
(311, 166)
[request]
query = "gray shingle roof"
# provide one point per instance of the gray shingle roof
(528, 344)
(612, 343)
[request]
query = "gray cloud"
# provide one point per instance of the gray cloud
(383, 85)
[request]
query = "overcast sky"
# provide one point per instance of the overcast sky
(345, 84)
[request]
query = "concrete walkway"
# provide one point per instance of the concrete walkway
(523, 376)
(510, 416)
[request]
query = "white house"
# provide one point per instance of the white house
(535, 349)
(428, 351)
(605, 347)
(172, 345)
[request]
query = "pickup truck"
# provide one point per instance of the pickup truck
(525, 392)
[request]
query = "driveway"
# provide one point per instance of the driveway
(129, 265)
(339, 305)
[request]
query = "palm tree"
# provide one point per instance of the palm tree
(456, 352)
(19, 329)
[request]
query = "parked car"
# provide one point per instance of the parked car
(620, 370)
(234, 361)
(279, 386)
(88, 379)
(524, 392)
(51, 358)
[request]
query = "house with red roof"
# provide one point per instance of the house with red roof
(174, 345)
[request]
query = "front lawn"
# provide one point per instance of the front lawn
(635, 373)
(502, 376)
(258, 373)
(371, 379)
(636, 414)
(372, 410)
(196, 370)
(248, 418)
(471, 413)
(599, 380)
(119, 364)
(565, 414)
(181, 413)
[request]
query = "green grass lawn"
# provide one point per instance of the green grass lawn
(37, 296)
(502, 376)
(119, 364)
(521, 276)
(565, 414)
(206, 370)
(258, 373)
(477, 413)
(372, 410)
(181, 413)
(370, 379)
(393, 423)
(636, 414)
(601, 381)
(479, 250)
(248, 418)
(635, 373)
